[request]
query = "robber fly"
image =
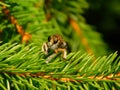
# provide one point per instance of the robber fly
(55, 43)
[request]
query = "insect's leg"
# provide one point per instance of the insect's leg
(45, 48)
(64, 52)
(50, 58)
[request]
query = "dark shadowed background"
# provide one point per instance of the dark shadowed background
(105, 15)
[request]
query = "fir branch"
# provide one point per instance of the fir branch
(23, 67)
(83, 40)
(65, 78)
(25, 36)
(77, 69)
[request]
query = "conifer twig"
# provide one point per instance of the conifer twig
(83, 40)
(66, 79)
(25, 36)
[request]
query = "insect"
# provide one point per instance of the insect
(55, 43)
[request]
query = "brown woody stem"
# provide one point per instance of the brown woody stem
(83, 40)
(25, 36)
(67, 79)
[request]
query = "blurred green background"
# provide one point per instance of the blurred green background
(105, 15)
(94, 20)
